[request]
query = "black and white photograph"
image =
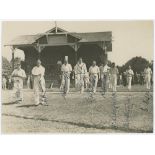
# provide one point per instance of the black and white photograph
(77, 76)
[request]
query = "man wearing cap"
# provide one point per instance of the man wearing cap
(94, 72)
(18, 75)
(80, 70)
(129, 77)
(38, 82)
(66, 70)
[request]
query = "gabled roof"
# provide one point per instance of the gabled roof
(94, 36)
(82, 37)
(24, 40)
(60, 30)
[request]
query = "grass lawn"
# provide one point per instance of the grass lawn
(123, 112)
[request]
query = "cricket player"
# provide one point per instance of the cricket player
(18, 76)
(66, 70)
(148, 74)
(80, 70)
(86, 80)
(94, 72)
(4, 83)
(38, 83)
(113, 73)
(104, 75)
(130, 74)
(109, 81)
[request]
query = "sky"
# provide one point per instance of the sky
(130, 38)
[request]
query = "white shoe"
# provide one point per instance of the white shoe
(37, 104)
(44, 103)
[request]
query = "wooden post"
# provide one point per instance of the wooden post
(106, 54)
(75, 48)
(39, 48)
(39, 51)
(13, 58)
(75, 57)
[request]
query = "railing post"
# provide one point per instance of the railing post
(13, 57)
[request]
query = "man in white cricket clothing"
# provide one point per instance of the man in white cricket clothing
(4, 82)
(113, 75)
(38, 82)
(18, 75)
(66, 70)
(80, 70)
(94, 72)
(148, 74)
(130, 74)
(104, 73)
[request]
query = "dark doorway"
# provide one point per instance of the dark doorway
(90, 53)
(50, 56)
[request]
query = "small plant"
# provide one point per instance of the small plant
(114, 110)
(128, 111)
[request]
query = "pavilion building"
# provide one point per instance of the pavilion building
(53, 45)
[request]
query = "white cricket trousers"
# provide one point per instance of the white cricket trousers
(129, 82)
(65, 84)
(80, 82)
(93, 82)
(18, 91)
(39, 89)
(114, 82)
(148, 81)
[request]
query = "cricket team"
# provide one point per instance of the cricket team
(83, 79)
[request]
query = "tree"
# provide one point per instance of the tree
(138, 64)
(6, 66)
(16, 61)
(151, 65)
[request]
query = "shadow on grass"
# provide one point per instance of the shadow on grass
(9, 103)
(27, 106)
(93, 126)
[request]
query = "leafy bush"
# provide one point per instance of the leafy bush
(6, 67)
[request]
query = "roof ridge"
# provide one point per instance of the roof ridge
(58, 28)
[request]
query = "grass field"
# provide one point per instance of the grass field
(123, 112)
